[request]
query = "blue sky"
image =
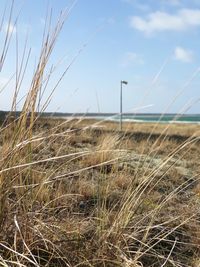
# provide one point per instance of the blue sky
(153, 44)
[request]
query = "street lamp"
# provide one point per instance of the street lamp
(122, 82)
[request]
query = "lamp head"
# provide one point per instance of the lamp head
(124, 82)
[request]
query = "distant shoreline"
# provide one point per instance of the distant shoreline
(127, 117)
(94, 114)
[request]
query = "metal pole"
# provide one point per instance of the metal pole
(121, 107)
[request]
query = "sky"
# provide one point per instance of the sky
(152, 44)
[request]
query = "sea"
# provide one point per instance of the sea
(148, 118)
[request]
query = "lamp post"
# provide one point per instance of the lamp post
(121, 83)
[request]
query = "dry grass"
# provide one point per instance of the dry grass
(105, 200)
(79, 193)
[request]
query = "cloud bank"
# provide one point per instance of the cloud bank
(159, 21)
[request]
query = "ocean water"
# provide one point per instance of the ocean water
(166, 118)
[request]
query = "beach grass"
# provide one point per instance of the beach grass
(78, 192)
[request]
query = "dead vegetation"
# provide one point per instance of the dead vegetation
(90, 198)
(73, 193)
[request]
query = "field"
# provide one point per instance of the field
(82, 193)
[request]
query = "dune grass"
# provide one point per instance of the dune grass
(81, 193)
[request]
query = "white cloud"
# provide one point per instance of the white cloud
(183, 55)
(10, 28)
(182, 20)
(131, 58)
